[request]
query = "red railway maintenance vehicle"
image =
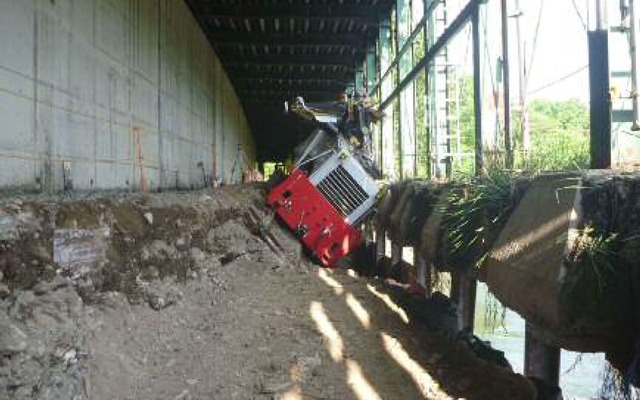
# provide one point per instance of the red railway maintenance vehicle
(332, 189)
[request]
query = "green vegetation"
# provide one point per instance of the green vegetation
(476, 214)
(560, 136)
(559, 133)
(597, 252)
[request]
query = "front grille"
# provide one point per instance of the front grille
(342, 191)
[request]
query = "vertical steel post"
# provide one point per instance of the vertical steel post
(477, 88)
(381, 244)
(428, 133)
(396, 253)
(525, 130)
(465, 284)
(599, 86)
(508, 142)
(372, 68)
(424, 272)
(385, 88)
(541, 360)
(463, 293)
(359, 81)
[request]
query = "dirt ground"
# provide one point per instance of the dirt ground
(236, 317)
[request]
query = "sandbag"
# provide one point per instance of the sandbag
(430, 234)
(560, 263)
(389, 197)
(406, 194)
(416, 212)
(523, 269)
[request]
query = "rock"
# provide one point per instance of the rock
(149, 273)
(4, 291)
(149, 217)
(183, 241)
(483, 350)
(197, 255)
(12, 339)
(309, 365)
(8, 227)
(162, 295)
(42, 287)
(159, 250)
(158, 302)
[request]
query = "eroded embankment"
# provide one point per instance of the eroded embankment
(199, 296)
(107, 243)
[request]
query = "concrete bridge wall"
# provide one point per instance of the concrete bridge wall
(113, 94)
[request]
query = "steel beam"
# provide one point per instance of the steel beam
(409, 44)
(289, 59)
(295, 73)
(258, 94)
(278, 10)
(456, 26)
(289, 84)
(286, 39)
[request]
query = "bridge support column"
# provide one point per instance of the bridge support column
(396, 253)
(424, 272)
(463, 293)
(381, 244)
(541, 360)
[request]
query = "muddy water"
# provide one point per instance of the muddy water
(580, 374)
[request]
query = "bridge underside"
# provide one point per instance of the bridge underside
(274, 52)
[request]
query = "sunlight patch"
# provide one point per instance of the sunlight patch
(326, 328)
(359, 311)
(329, 281)
(390, 303)
(424, 382)
(359, 384)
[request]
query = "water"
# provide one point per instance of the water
(580, 373)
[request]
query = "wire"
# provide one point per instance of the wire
(579, 15)
(559, 80)
(535, 45)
